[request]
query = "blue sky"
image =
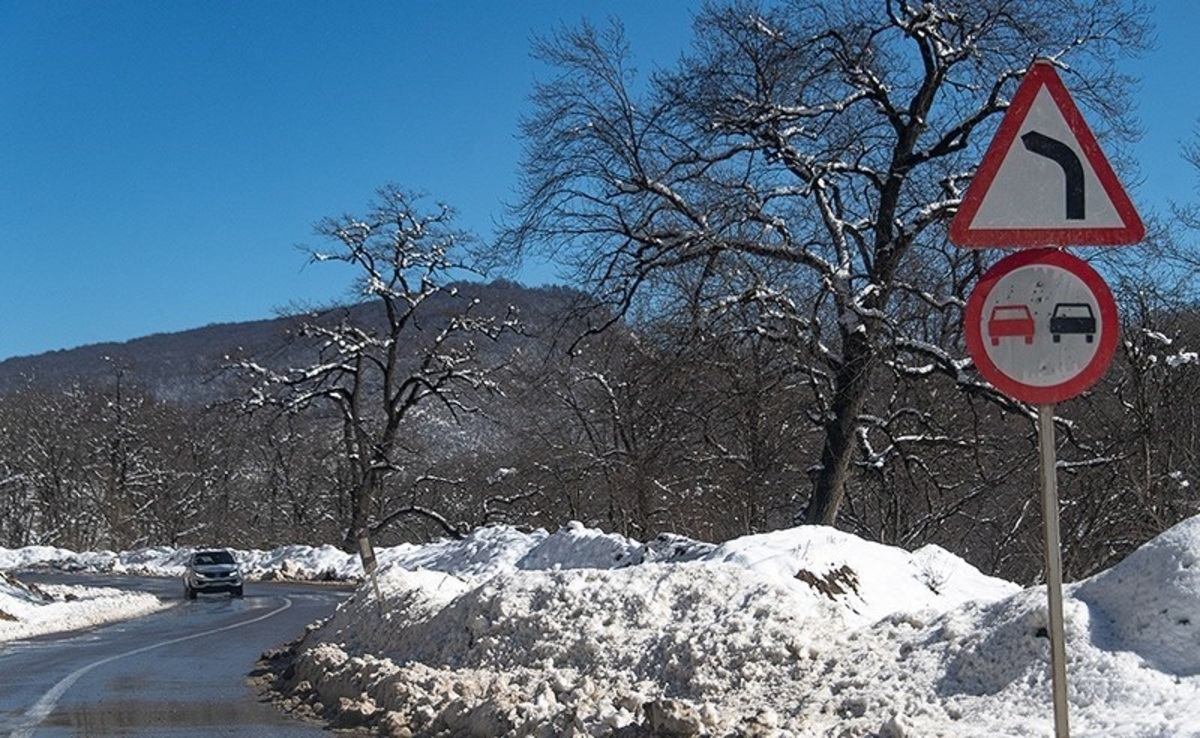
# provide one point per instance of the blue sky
(159, 161)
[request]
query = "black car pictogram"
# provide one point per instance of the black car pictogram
(1073, 318)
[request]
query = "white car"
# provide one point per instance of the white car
(213, 570)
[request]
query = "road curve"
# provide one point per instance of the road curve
(181, 672)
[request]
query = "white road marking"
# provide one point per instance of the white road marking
(44, 706)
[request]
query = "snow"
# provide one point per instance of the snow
(293, 562)
(801, 632)
(1183, 359)
(26, 610)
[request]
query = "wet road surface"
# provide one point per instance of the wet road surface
(181, 672)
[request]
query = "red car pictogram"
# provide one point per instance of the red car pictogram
(1010, 321)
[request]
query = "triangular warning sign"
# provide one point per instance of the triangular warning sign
(1044, 180)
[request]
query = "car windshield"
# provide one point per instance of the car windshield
(1073, 310)
(1010, 312)
(212, 557)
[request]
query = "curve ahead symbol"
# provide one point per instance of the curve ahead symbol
(1061, 154)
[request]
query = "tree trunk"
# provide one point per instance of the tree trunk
(852, 383)
(361, 501)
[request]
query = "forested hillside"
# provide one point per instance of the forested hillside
(703, 434)
(160, 440)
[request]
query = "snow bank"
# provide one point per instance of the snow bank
(800, 633)
(869, 580)
(1149, 604)
(295, 562)
(535, 652)
(17, 558)
(26, 610)
(584, 633)
(806, 632)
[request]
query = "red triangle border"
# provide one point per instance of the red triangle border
(1042, 74)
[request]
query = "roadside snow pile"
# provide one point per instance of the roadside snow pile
(480, 555)
(19, 558)
(27, 610)
(582, 633)
(799, 633)
(869, 580)
(805, 632)
(1149, 604)
(13, 590)
(286, 562)
(490, 551)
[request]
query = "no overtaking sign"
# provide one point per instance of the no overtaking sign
(1041, 326)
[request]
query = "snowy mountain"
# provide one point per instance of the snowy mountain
(193, 365)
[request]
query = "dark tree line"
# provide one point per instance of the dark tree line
(647, 431)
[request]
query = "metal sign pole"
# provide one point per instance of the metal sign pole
(1058, 650)
(1018, 300)
(367, 553)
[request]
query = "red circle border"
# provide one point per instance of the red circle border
(1106, 342)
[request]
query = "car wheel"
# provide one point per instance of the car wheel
(237, 592)
(189, 592)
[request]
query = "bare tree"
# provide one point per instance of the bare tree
(1189, 214)
(50, 496)
(413, 345)
(806, 155)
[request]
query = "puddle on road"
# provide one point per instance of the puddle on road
(112, 717)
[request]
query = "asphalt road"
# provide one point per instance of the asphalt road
(181, 672)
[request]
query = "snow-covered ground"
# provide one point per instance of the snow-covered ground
(803, 632)
(27, 610)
